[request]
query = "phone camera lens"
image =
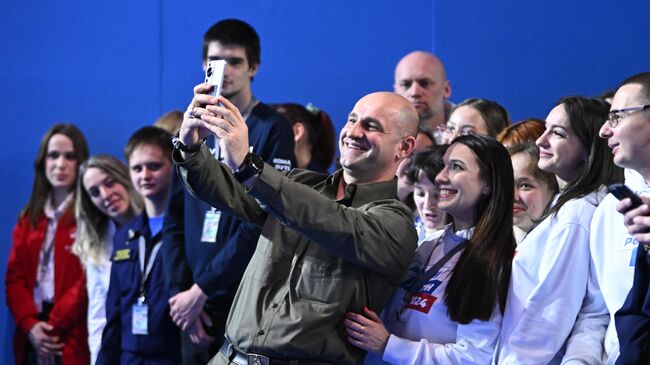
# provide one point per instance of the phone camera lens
(209, 72)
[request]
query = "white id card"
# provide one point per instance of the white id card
(139, 322)
(210, 226)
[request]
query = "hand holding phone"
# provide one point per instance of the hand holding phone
(214, 75)
(632, 223)
(621, 191)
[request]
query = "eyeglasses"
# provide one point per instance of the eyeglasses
(450, 131)
(615, 116)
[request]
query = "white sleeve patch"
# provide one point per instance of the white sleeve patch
(281, 164)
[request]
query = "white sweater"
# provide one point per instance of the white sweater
(98, 276)
(550, 273)
(613, 253)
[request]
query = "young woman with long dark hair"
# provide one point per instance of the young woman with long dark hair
(550, 273)
(448, 309)
(45, 281)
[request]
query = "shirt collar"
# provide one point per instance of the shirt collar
(461, 235)
(357, 195)
(54, 213)
(139, 227)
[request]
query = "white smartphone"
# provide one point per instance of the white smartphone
(214, 75)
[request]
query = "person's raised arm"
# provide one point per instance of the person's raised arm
(193, 129)
(380, 238)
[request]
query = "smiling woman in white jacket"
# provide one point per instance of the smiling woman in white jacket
(448, 309)
(550, 272)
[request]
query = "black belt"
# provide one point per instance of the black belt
(241, 358)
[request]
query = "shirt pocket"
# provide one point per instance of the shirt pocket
(271, 262)
(322, 278)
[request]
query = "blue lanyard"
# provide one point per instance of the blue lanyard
(433, 270)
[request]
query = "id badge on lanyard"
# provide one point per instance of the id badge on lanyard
(420, 300)
(140, 318)
(140, 310)
(210, 226)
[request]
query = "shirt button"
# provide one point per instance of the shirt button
(260, 332)
(274, 305)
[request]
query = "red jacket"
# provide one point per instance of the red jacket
(68, 316)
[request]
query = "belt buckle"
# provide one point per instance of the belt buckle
(256, 359)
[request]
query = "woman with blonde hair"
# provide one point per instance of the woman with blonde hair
(106, 200)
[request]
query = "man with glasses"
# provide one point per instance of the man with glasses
(448, 132)
(616, 115)
(615, 251)
(629, 124)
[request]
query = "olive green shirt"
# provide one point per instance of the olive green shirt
(316, 258)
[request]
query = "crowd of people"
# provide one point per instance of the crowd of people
(446, 235)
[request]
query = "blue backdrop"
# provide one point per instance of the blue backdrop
(111, 67)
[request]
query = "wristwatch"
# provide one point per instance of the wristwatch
(252, 165)
(193, 148)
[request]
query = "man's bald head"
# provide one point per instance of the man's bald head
(420, 77)
(408, 118)
(424, 61)
(397, 109)
(379, 133)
